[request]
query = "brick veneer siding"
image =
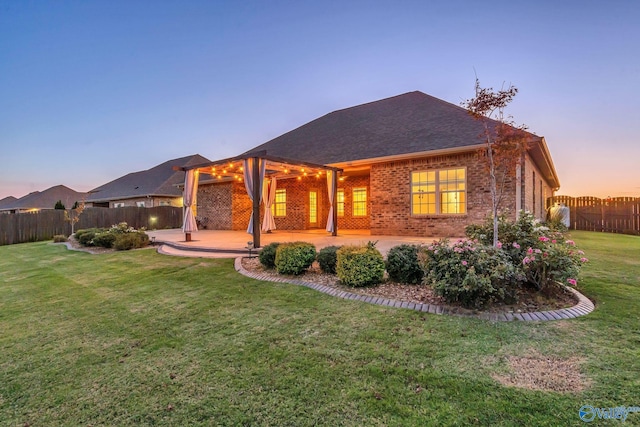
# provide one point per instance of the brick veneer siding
(226, 206)
(348, 221)
(391, 197)
(213, 210)
(536, 189)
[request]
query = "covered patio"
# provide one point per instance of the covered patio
(230, 243)
(260, 174)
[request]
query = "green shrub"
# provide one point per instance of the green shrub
(59, 238)
(104, 239)
(360, 265)
(85, 236)
(471, 274)
(294, 258)
(328, 258)
(402, 264)
(267, 255)
(126, 241)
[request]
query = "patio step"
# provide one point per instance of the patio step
(178, 250)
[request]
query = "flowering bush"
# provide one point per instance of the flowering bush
(542, 255)
(120, 236)
(469, 273)
(552, 260)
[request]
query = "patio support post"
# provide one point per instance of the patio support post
(257, 192)
(334, 174)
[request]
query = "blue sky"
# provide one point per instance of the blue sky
(92, 90)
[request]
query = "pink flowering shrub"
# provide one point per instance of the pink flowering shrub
(541, 254)
(554, 260)
(471, 274)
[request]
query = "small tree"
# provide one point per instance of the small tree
(73, 215)
(504, 142)
(59, 205)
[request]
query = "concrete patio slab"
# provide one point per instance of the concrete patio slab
(235, 242)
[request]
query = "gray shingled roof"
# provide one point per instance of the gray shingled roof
(7, 202)
(47, 199)
(160, 180)
(404, 124)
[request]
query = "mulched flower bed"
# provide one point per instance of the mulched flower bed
(528, 301)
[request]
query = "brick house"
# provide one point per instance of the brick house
(407, 165)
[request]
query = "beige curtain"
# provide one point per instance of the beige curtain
(189, 199)
(331, 177)
(248, 183)
(269, 196)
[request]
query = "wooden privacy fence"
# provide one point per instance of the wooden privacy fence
(44, 224)
(613, 215)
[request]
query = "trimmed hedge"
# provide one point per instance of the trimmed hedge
(294, 258)
(328, 259)
(126, 241)
(402, 264)
(360, 265)
(267, 255)
(85, 236)
(104, 239)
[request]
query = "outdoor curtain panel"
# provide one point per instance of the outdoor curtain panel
(331, 178)
(248, 183)
(189, 198)
(268, 195)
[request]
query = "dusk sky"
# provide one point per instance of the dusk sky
(93, 90)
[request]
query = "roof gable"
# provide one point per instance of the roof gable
(47, 199)
(7, 202)
(161, 180)
(410, 123)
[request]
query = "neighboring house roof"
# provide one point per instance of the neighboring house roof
(46, 199)
(402, 125)
(7, 202)
(160, 181)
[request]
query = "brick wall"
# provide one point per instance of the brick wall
(227, 205)
(391, 197)
(348, 221)
(536, 189)
(214, 206)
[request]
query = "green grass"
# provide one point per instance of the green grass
(137, 338)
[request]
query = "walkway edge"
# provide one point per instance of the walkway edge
(584, 306)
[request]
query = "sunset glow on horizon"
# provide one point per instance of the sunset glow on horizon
(91, 91)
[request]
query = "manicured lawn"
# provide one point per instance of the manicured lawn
(137, 338)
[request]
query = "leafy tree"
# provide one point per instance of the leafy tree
(59, 205)
(504, 141)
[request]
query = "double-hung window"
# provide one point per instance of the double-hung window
(441, 191)
(279, 206)
(360, 201)
(340, 201)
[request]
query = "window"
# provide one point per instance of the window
(340, 202)
(360, 202)
(140, 204)
(279, 206)
(118, 205)
(438, 192)
(313, 207)
(423, 193)
(164, 203)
